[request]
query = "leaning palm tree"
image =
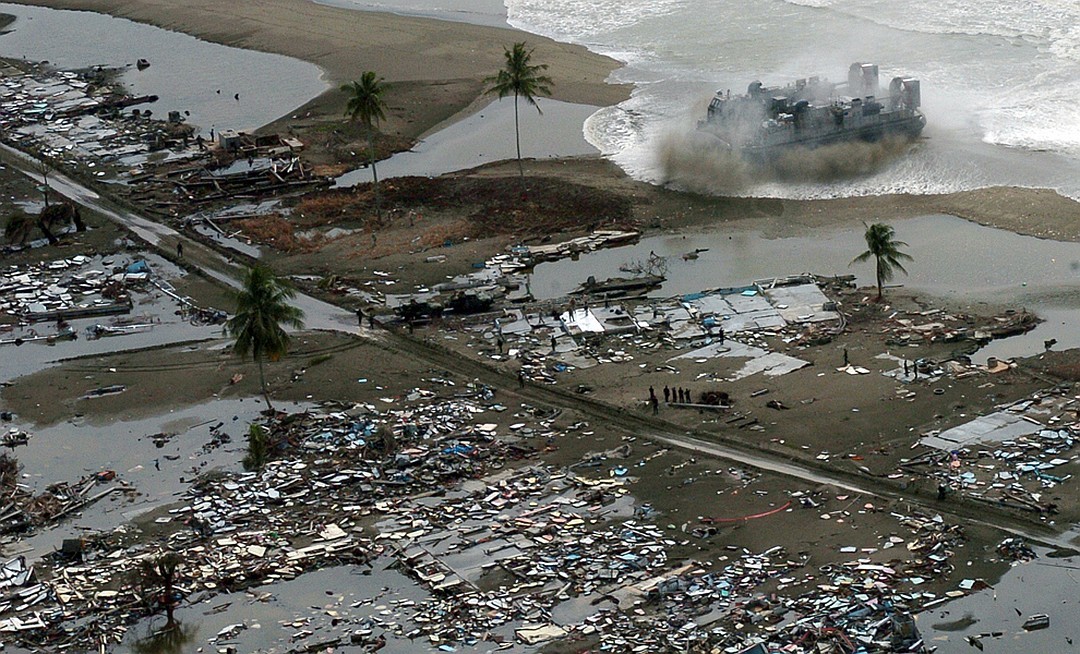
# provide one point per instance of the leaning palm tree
(522, 79)
(262, 306)
(366, 105)
(885, 249)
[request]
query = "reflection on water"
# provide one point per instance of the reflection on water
(488, 136)
(953, 258)
(222, 87)
(167, 640)
(1044, 585)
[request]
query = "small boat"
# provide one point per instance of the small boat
(101, 331)
(1037, 621)
(14, 437)
(618, 286)
(142, 64)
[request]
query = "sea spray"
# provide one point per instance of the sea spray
(698, 162)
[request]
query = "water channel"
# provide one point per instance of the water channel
(185, 73)
(953, 258)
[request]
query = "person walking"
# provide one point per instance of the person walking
(655, 405)
(360, 316)
(521, 379)
(179, 249)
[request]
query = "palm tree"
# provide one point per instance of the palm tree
(885, 249)
(162, 571)
(261, 308)
(366, 104)
(522, 79)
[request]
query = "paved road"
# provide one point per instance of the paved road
(323, 316)
(318, 314)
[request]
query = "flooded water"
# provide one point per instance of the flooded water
(1047, 586)
(355, 594)
(185, 73)
(488, 136)
(953, 258)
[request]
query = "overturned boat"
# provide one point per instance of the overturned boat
(767, 122)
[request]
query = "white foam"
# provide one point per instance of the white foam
(1000, 77)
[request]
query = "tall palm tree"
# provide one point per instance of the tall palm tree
(885, 249)
(366, 105)
(522, 79)
(162, 571)
(262, 306)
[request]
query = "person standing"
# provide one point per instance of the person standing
(667, 394)
(655, 405)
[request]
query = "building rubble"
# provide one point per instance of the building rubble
(81, 287)
(77, 118)
(723, 323)
(508, 554)
(1012, 457)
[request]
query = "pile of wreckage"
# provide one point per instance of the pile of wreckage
(937, 326)
(507, 555)
(548, 340)
(21, 511)
(67, 289)
(65, 116)
(297, 514)
(204, 182)
(1010, 457)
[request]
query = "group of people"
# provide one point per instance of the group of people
(675, 394)
(680, 395)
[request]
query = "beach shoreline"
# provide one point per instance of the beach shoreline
(408, 51)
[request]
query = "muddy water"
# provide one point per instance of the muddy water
(953, 258)
(185, 73)
(488, 136)
(1046, 585)
(316, 594)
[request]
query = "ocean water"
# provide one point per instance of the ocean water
(1000, 81)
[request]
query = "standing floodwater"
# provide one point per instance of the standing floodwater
(221, 87)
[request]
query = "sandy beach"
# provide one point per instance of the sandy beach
(427, 62)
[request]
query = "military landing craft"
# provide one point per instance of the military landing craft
(767, 122)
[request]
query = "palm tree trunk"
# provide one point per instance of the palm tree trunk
(76, 218)
(262, 383)
(48, 233)
(374, 173)
(880, 296)
(517, 137)
(170, 618)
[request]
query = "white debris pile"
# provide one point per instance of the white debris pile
(71, 287)
(1009, 457)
